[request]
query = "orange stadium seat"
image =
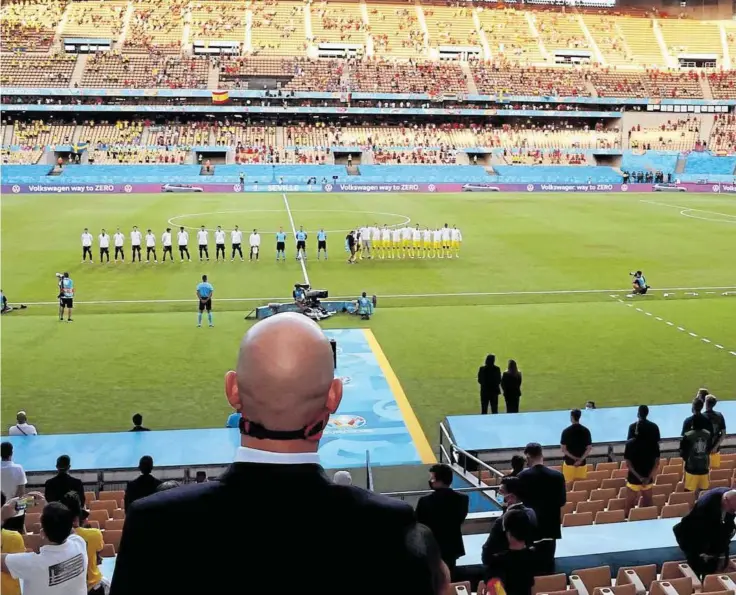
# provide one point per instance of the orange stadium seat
(647, 513)
(585, 581)
(592, 506)
(113, 538)
(641, 577)
(673, 511)
(577, 520)
(682, 498)
(550, 583)
(610, 516)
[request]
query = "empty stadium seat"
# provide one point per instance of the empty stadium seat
(550, 583)
(108, 551)
(640, 576)
(593, 506)
(676, 586)
(643, 514)
(577, 520)
(682, 498)
(603, 494)
(627, 589)
(610, 516)
(113, 538)
(585, 581)
(114, 525)
(676, 570)
(720, 582)
(673, 511)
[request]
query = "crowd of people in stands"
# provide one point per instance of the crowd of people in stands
(287, 403)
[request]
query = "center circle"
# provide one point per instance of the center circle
(379, 218)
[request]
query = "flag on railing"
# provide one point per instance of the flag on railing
(79, 147)
(220, 97)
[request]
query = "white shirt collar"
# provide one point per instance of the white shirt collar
(252, 455)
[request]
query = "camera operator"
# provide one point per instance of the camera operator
(66, 295)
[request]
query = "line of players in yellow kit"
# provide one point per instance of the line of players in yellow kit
(413, 242)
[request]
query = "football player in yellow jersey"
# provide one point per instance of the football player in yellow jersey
(457, 240)
(416, 242)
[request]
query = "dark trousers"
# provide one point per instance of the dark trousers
(220, 248)
(137, 250)
(150, 251)
(86, 250)
(238, 249)
(167, 250)
(512, 403)
(488, 399)
(98, 590)
(256, 254)
(105, 252)
(184, 250)
(204, 250)
(701, 567)
(119, 250)
(545, 557)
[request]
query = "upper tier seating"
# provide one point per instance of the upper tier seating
(278, 28)
(723, 135)
(451, 26)
(509, 35)
(493, 79)
(396, 31)
(96, 19)
(641, 41)
(560, 31)
(37, 70)
(687, 36)
(115, 70)
(156, 25)
(39, 133)
(723, 84)
(399, 77)
(29, 24)
(609, 39)
(298, 74)
(338, 22)
(217, 21)
(672, 135)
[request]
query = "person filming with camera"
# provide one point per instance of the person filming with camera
(66, 295)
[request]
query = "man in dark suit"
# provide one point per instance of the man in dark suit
(143, 485)
(489, 378)
(543, 490)
(444, 512)
(274, 508)
(62, 482)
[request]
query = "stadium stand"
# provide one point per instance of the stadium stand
(723, 135)
(687, 36)
(451, 26)
(680, 135)
(115, 70)
(609, 39)
(95, 19)
(338, 22)
(29, 24)
(37, 70)
(218, 21)
(156, 26)
(396, 32)
(383, 76)
(560, 31)
(278, 28)
(509, 36)
(493, 79)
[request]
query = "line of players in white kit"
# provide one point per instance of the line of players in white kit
(137, 239)
(399, 242)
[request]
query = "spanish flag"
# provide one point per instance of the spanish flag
(495, 587)
(220, 97)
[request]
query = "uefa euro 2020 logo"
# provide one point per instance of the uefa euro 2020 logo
(345, 423)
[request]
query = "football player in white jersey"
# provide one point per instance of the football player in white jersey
(166, 242)
(416, 242)
(437, 243)
(396, 242)
(457, 240)
(135, 243)
(219, 243)
(203, 238)
(151, 247)
(426, 242)
(405, 241)
(119, 241)
(236, 239)
(365, 242)
(446, 242)
(86, 245)
(182, 238)
(385, 242)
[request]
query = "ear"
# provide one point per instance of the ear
(334, 396)
(231, 390)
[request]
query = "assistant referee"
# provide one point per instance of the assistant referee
(204, 295)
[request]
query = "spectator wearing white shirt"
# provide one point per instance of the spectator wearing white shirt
(150, 246)
(135, 242)
(236, 237)
(182, 237)
(60, 567)
(255, 244)
(202, 241)
(86, 245)
(13, 483)
(104, 240)
(119, 241)
(219, 243)
(166, 241)
(22, 427)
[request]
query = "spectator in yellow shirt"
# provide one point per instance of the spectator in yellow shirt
(11, 542)
(94, 540)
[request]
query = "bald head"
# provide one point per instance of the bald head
(729, 501)
(285, 376)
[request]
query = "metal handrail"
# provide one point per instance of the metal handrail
(456, 449)
(410, 493)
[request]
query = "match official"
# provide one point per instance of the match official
(151, 246)
(86, 246)
(66, 296)
(281, 245)
(219, 243)
(204, 295)
(321, 242)
(255, 245)
(236, 238)
(301, 244)
(166, 241)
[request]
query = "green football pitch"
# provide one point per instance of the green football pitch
(541, 278)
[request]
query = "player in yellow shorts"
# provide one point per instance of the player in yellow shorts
(416, 242)
(395, 243)
(406, 233)
(719, 430)
(436, 243)
(695, 450)
(385, 242)
(457, 240)
(642, 459)
(426, 242)
(576, 444)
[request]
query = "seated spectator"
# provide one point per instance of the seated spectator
(288, 400)
(61, 483)
(13, 483)
(22, 427)
(11, 542)
(62, 550)
(93, 540)
(138, 424)
(342, 478)
(143, 485)
(514, 567)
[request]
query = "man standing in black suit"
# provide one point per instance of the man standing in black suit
(62, 482)
(143, 485)
(274, 523)
(489, 378)
(444, 512)
(543, 490)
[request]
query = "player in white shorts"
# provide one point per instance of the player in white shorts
(385, 242)
(426, 242)
(446, 242)
(405, 241)
(395, 243)
(437, 243)
(457, 240)
(416, 241)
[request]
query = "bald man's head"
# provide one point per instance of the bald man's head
(729, 501)
(285, 377)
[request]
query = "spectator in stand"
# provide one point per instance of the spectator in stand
(342, 478)
(511, 386)
(138, 424)
(61, 565)
(287, 400)
(93, 540)
(61, 483)
(697, 411)
(22, 427)
(143, 485)
(13, 483)
(517, 465)
(642, 427)
(497, 542)
(695, 447)
(641, 454)
(543, 490)
(489, 378)
(704, 534)
(701, 394)
(444, 512)
(576, 444)
(11, 542)
(719, 430)
(514, 567)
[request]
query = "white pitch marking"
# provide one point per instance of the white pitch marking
(670, 323)
(648, 313)
(639, 310)
(679, 328)
(293, 228)
(704, 340)
(663, 204)
(660, 318)
(732, 352)
(717, 346)
(692, 334)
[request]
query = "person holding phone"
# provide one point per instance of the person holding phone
(13, 483)
(11, 543)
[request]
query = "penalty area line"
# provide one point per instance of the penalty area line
(393, 296)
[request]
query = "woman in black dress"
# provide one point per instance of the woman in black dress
(511, 386)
